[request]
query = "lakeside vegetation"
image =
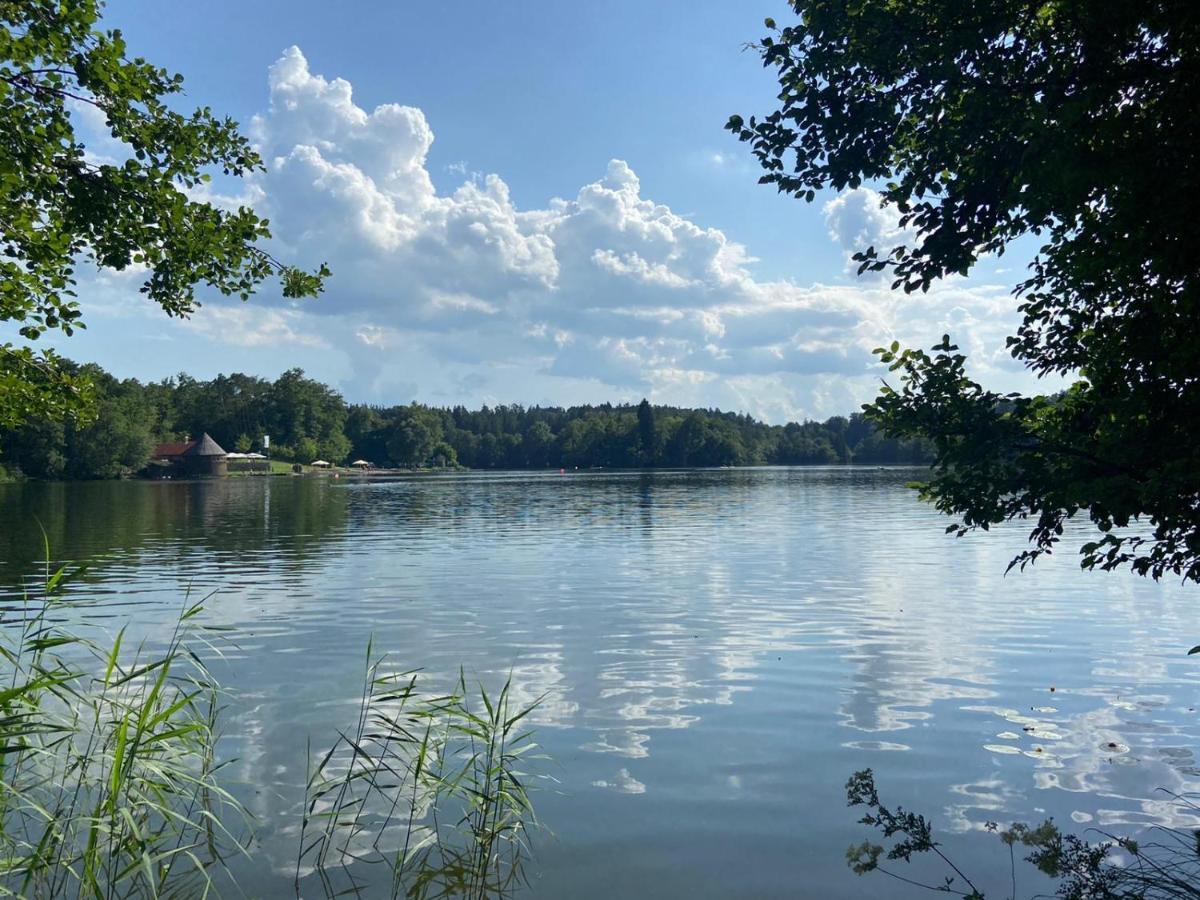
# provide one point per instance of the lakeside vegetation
(112, 785)
(307, 420)
(109, 779)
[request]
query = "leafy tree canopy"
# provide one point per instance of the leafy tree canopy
(414, 435)
(1073, 121)
(306, 419)
(60, 205)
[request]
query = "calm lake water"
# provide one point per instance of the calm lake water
(720, 651)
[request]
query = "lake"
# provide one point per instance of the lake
(719, 651)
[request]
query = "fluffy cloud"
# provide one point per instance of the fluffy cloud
(857, 220)
(607, 294)
(353, 187)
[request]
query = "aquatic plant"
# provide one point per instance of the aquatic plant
(110, 788)
(1111, 867)
(431, 789)
(108, 781)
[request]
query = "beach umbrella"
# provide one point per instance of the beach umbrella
(361, 463)
(319, 462)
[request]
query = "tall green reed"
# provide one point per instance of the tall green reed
(108, 781)
(110, 788)
(430, 789)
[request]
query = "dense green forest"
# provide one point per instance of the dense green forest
(307, 420)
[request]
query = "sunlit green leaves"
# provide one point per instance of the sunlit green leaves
(34, 384)
(61, 204)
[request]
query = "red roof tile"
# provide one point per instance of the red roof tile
(177, 448)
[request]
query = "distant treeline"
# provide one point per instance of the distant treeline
(307, 420)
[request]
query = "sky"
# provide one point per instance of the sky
(526, 202)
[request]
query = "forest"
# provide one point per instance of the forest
(307, 420)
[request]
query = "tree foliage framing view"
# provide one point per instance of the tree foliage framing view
(1073, 121)
(60, 205)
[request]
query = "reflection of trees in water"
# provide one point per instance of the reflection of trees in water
(295, 518)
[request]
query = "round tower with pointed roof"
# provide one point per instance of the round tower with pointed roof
(205, 457)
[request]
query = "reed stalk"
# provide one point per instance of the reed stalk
(108, 782)
(110, 785)
(431, 789)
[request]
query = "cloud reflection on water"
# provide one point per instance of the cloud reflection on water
(689, 632)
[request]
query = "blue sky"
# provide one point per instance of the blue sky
(542, 93)
(526, 202)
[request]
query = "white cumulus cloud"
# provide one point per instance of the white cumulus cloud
(857, 220)
(609, 294)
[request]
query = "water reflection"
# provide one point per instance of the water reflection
(717, 651)
(228, 525)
